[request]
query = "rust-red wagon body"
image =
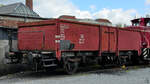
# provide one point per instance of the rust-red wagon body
(56, 34)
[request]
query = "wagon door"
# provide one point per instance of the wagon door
(112, 40)
(104, 39)
(108, 40)
(31, 40)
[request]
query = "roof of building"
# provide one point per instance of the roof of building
(18, 9)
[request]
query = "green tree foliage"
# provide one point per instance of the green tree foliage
(1, 5)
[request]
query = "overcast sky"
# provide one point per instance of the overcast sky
(118, 11)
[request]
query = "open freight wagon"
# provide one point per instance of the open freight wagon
(68, 43)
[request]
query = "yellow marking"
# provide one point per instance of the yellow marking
(123, 67)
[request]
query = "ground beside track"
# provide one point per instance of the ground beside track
(131, 75)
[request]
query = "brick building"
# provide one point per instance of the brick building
(10, 16)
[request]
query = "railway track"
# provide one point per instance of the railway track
(129, 75)
(110, 69)
(82, 71)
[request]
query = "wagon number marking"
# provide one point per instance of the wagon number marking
(62, 31)
(82, 39)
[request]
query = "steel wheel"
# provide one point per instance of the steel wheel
(70, 66)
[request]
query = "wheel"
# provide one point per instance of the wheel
(125, 60)
(29, 58)
(32, 62)
(70, 66)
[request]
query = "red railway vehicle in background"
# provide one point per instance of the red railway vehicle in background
(143, 25)
(68, 42)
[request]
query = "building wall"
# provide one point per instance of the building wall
(4, 67)
(5, 34)
(12, 22)
(9, 35)
(4, 48)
